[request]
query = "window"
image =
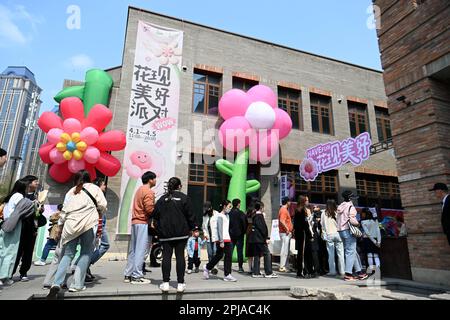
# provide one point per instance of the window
(206, 183)
(359, 122)
(319, 191)
(383, 124)
(321, 114)
(290, 101)
(243, 84)
(381, 190)
(4, 107)
(207, 92)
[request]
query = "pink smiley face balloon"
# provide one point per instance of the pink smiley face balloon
(141, 159)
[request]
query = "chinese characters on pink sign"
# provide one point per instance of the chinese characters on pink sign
(332, 155)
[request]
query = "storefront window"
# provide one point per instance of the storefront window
(378, 190)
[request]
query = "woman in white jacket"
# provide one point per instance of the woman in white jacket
(79, 216)
(221, 236)
(331, 236)
(371, 238)
(209, 223)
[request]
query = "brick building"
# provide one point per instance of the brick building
(327, 100)
(414, 41)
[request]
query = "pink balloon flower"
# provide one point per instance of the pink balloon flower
(77, 143)
(308, 170)
(253, 120)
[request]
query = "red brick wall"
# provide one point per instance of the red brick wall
(411, 36)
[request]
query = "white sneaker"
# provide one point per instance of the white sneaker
(230, 278)
(164, 287)
(76, 290)
(189, 271)
(205, 273)
(8, 282)
(140, 281)
(39, 263)
(273, 275)
(181, 287)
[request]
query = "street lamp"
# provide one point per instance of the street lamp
(15, 159)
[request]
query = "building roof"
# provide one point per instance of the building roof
(20, 71)
(254, 39)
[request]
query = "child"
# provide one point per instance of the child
(371, 238)
(52, 235)
(193, 248)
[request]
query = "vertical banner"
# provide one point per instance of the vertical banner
(284, 190)
(153, 114)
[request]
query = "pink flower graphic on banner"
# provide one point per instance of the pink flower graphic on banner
(141, 162)
(253, 120)
(158, 144)
(76, 143)
(308, 170)
(168, 53)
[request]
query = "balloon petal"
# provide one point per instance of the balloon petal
(49, 120)
(60, 173)
(108, 165)
(92, 155)
(71, 125)
(264, 145)
(99, 117)
(92, 172)
(234, 134)
(89, 135)
(76, 165)
(54, 135)
(72, 108)
(264, 94)
(56, 156)
(233, 103)
(44, 152)
(113, 140)
(283, 123)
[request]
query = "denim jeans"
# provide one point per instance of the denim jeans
(51, 244)
(334, 243)
(86, 241)
(351, 259)
(285, 243)
(239, 243)
(211, 249)
(103, 247)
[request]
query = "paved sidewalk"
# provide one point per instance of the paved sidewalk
(109, 285)
(109, 282)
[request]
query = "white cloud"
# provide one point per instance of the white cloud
(80, 61)
(9, 31)
(12, 29)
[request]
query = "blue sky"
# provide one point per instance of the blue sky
(34, 33)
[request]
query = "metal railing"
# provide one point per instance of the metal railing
(381, 146)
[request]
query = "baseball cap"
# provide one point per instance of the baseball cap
(439, 186)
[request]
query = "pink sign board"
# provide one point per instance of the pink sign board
(333, 155)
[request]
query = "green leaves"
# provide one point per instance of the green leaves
(252, 186)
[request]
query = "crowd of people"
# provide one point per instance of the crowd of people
(327, 241)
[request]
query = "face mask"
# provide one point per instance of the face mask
(227, 210)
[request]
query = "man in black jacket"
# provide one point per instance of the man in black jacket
(238, 227)
(441, 192)
(174, 221)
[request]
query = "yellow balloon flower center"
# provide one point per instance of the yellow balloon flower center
(71, 146)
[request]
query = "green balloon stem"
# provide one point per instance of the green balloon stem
(124, 211)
